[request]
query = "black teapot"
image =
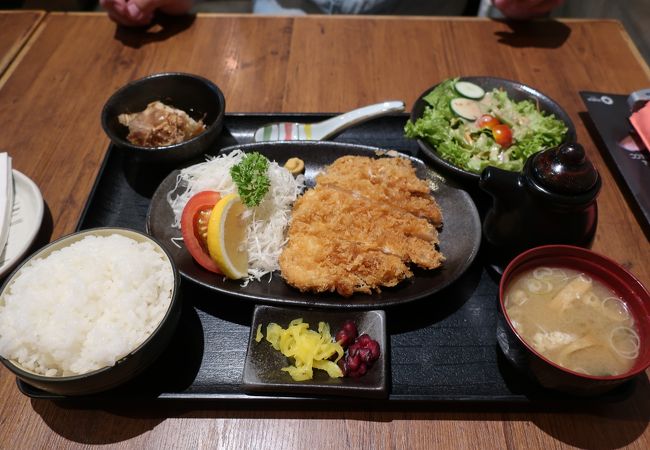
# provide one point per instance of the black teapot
(552, 201)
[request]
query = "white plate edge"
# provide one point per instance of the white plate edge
(36, 197)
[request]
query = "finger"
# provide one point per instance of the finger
(133, 11)
(115, 7)
(126, 20)
(166, 6)
(119, 19)
(138, 16)
(146, 6)
(146, 18)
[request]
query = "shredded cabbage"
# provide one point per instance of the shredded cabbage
(268, 222)
(465, 145)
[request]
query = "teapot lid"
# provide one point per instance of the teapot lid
(565, 170)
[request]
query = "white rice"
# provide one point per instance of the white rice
(85, 306)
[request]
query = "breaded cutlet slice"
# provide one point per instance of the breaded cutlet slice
(376, 225)
(388, 180)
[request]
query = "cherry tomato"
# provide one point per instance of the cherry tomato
(502, 134)
(194, 227)
(487, 121)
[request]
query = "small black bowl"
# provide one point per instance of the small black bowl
(130, 365)
(197, 96)
(517, 92)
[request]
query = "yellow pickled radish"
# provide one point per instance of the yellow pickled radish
(309, 349)
(227, 237)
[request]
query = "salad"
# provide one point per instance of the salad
(472, 129)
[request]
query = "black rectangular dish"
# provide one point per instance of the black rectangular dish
(441, 348)
(262, 369)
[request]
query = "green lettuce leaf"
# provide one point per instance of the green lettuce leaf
(463, 144)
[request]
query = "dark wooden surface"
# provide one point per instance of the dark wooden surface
(50, 105)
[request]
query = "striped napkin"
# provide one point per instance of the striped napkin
(641, 123)
(6, 198)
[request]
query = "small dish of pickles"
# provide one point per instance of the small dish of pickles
(312, 352)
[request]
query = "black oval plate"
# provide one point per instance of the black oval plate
(459, 240)
(517, 92)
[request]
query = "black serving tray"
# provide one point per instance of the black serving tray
(441, 348)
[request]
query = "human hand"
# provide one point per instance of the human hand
(140, 12)
(525, 9)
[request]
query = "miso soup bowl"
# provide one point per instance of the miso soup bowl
(549, 374)
(128, 366)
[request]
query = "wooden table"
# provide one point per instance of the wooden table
(17, 27)
(50, 107)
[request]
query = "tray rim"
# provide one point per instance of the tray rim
(622, 393)
(397, 401)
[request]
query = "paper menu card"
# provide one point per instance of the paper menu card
(610, 115)
(641, 122)
(6, 198)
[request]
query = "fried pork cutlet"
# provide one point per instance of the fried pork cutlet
(388, 180)
(361, 227)
(325, 264)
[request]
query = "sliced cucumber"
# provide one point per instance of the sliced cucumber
(466, 108)
(469, 90)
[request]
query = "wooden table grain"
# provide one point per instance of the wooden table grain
(17, 27)
(50, 107)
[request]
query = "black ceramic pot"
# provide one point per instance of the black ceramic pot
(552, 201)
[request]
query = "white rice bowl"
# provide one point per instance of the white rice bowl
(85, 305)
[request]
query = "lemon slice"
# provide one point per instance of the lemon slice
(227, 236)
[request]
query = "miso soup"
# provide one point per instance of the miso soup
(573, 320)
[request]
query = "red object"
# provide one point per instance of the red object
(194, 225)
(487, 121)
(347, 334)
(641, 122)
(613, 275)
(502, 134)
(361, 352)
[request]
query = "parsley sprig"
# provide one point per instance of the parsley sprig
(251, 176)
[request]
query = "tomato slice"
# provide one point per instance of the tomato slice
(502, 135)
(487, 121)
(194, 227)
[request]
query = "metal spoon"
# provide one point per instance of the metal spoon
(291, 131)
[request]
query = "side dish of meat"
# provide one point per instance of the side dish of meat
(361, 227)
(159, 125)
